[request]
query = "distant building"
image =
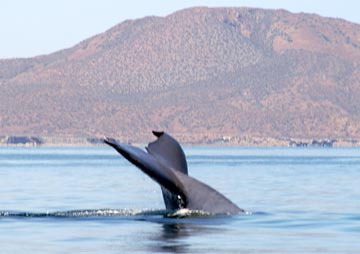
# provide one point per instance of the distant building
(23, 140)
(314, 143)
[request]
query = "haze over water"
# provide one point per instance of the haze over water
(72, 200)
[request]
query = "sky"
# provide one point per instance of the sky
(38, 27)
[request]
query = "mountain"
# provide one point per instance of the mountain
(200, 74)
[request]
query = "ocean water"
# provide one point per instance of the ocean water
(91, 200)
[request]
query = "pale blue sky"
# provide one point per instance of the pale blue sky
(35, 27)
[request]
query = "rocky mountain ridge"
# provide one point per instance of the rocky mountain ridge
(200, 74)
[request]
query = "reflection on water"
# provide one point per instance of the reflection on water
(172, 238)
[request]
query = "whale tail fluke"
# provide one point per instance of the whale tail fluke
(164, 161)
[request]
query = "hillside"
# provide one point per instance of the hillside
(200, 73)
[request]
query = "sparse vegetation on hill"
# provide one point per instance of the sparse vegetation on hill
(200, 74)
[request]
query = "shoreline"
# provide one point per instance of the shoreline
(225, 141)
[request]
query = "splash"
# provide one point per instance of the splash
(86, 213)
(186, 213)
(125, 212)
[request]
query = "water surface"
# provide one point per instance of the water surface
(90, 200)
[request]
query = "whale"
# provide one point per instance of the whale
(164, 161)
